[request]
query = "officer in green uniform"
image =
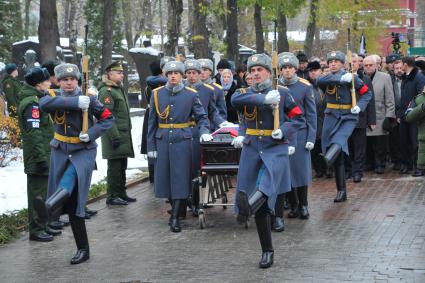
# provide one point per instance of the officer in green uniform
(37, 131)
(11, 87)
(117, 144)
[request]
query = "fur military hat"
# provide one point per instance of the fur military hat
(114, 66)
(173, 66)
(66, 70)
(165, 60)
(288, 59)
(10, 68)
(36, 75)
(262, 60)
(392, 58)
(335, 55)
(207, 64)
(192, 64)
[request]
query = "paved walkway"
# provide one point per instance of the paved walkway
(377, 236)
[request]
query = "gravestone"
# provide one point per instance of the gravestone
(18, 54)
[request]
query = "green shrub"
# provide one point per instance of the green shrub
(12, 224)
(97, 189)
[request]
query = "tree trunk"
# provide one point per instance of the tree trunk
(72, 25)
(48, 31)
(259, 35)
(125, 4)
(27, 18)
(282, 41)
(232, 31)
(200, 31)
(311, 28)
(108, 7)
(65, 19)
(175, 9)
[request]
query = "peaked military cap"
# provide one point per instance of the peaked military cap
(262, 60)
(392, 58)
(165, 60)
(207, 64)
(335, 55)
(66, 70)
(288, 59)
(192, 64)
(114, 66)
(174, 66)
(36, 75)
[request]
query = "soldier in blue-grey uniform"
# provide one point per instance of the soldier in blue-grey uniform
(340, 116)
(206, 93)
(173, 107)
(264, 164)
(206, 77)
(302, 92)
(73, 154)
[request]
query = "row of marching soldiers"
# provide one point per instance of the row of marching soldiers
(274, 161)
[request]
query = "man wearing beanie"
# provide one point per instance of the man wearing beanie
(117, 144)
(50, 67)
(37, 131)
(300, 162)
(11, 87)
(302, 71)
(73, 153)
(264, 164)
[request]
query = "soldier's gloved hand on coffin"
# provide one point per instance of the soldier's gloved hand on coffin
(206, 138)
(346, 78)
(272, 97)
(277, 134)
(238, 141)
(83, 102)
(42, 167)
(355, 110)
(115, 143)
(84, 137)
(309, 145)
(227, 124)
(151, 154)
(291, 150)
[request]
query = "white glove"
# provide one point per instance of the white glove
(238, 141)
(277, 134)
(92, 91)
(84, 137)
(206, 138)
(309, 145)
(272, 97)
(346, 78)
(83, 102)
(291, 150)
(151, 154)
(355, 110)
(227, 124)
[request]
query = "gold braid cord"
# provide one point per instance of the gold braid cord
(61, 120)
(163, 115)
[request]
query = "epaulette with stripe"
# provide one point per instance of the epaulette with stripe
(191, 89)
(208, 86)
(217, 85)
(158, 88)
(304, 81)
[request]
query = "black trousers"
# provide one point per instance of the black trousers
(409, 140)
(357, 149)
(377, 150)
(317, 160)
(395, 145)
(116, 178)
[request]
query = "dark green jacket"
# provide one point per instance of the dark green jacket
(417, 115)
(114, 98)
(11, 87)
(37, 131)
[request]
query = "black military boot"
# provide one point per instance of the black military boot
(52, 205)
(174, 219)
(265, 235)
(332, 154)
(78, 226)
(248, 207)
(293, 203)
(302, 193)
(151, 173)
(278, 225)
(339, 169)
(195, 198)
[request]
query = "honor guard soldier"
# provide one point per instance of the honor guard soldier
(340, 115)
(173, 107)
(264, 164)
(302, 92)
(73, 153)
(37, 131)
(11, 88)
(206, 77)
(154, 81)
(117, 144)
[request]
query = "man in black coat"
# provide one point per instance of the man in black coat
(412, 85)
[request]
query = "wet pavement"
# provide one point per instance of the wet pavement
(378, 235)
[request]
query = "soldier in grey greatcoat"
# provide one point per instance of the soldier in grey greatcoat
(170, 137)
(73, 153)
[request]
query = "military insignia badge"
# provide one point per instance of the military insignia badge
(173, 65)
(69, 70)
(35, 113)
(190, 64)
(254, 59)
(107, 100)
(333, 54)
(286, 60)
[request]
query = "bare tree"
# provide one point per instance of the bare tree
(27, 18)
(311, 28)
(128, 28)
(108, 8)
(282, 41)
(259, 35)
(200, 32)
(48, 31)
(232, 31)
(175, 9)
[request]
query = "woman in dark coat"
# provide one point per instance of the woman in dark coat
(229, 87)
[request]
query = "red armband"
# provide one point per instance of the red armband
(105, 114)
(363, 89)
(294, 112)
